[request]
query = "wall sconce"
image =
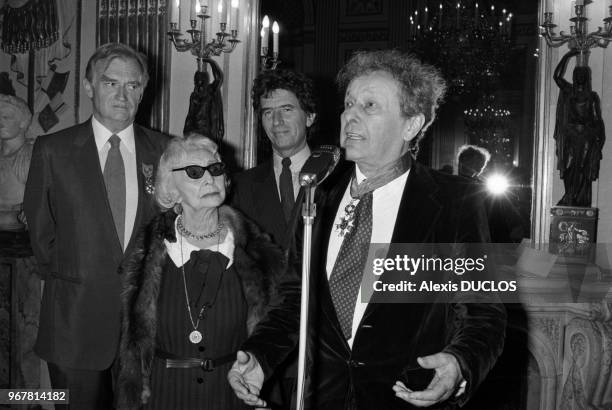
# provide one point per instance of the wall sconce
(198, 45)
(579, 38)
(269, 62)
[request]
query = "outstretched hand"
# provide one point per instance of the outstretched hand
(246, 378)
(445, 382)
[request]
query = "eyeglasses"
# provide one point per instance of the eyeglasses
(197, 171)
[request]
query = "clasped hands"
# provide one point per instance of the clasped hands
(246, 378)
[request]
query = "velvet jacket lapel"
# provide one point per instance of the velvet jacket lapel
(87, 168)
(326, 214)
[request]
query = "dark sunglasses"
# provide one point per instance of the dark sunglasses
(197, 171)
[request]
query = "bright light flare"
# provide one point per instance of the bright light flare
(497, 184)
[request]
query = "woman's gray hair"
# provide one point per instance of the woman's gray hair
(174, 156)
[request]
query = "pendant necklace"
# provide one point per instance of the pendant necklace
(195, 336)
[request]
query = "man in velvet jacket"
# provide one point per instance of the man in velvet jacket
(375, 355)
(79, 233)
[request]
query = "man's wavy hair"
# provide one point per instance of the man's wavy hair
(422, 87)
(297, 83)
(108, 52)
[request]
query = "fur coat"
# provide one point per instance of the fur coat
(258, 262)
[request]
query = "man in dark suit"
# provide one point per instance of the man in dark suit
(363, 354)
(266, 193)
(89, 189)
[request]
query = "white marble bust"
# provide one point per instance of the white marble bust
(15, 155)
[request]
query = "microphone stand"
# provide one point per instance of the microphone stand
(309, 211)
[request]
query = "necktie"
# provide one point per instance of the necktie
(286, 189)
(347, 273)
(114, 178)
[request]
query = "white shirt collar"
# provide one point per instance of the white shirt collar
(297, 160)
(359, 175)
(102, 134)
(226, 248)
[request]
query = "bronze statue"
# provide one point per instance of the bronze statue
(579, 133)
(205, 114)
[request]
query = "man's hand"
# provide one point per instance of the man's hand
(246, 378)
(446, 380)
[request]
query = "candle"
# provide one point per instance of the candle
(234, 15)
(175, 15)
(440, 18)
(222, 10)
(426, 15)
(261, 35)
(458, 15)
(265, 34)
(476, 13)
(275, 31)
(192, 10)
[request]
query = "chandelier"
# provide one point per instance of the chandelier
(488, 125)
(468, 40)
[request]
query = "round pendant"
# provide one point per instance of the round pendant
(195, 337)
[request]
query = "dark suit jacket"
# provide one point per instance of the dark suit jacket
(255, 193)
(76, 245)
(435, 208)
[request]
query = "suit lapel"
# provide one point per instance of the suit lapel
(419, 208)
(268, 201)
(146, 163)
(326, 214)
(87, 168)
(417, 215)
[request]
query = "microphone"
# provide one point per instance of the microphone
(321, 163)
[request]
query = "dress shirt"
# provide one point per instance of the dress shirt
(128, 153)
(297, 162)
(174, 248)
(385, 204)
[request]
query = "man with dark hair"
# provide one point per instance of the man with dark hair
(472, 160)
(366, 355)
(285, 102)
(89, 189)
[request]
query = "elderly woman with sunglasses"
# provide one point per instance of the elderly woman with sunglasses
(197, 282)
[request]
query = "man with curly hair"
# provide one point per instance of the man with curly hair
(362, 352)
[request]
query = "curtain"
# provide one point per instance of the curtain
(142, 24)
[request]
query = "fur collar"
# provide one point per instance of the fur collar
(257, 260)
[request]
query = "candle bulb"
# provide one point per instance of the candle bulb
(222, 10)
(261, 50)
(275, 30)
(234, 15)
(458, 15)
(192, 10)
(175, 14)
(265, 38)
